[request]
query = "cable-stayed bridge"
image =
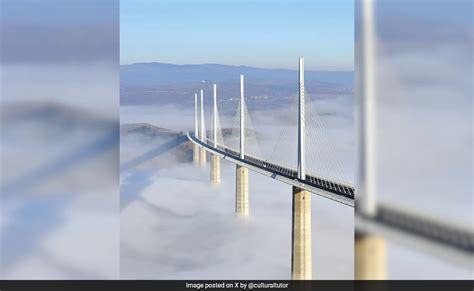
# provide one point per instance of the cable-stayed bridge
(303, 157)
(303, 164)
(377, 222)
(324, 187)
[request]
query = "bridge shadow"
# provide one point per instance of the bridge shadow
(163, 210)
(28, 226)
(138, 180)
(56, 167)
(162, 149)
(36, 213)
(135, 183)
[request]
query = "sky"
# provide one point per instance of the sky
(254, 33)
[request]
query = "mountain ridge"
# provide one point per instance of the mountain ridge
(159, 74)
(225, 65)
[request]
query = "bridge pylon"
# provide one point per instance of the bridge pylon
(196, 132)
(370, 249)
(202, 151)
(215, 160)
(301, 261)
(242, 173)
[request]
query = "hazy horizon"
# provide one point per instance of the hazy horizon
(233, 65)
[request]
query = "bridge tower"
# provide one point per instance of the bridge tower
(202, 155)
(301, 265)
(196, 131)
(215, 160)
(242, 173)
(370, 254)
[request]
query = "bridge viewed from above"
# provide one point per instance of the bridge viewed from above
(336, 191)
(305, 180)
(311, 166)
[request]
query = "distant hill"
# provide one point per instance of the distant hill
(143, 143)
(158, 83)
(146, 129)
(151, 131)
(153, 74)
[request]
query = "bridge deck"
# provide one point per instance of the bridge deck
(447, 242)
(333, 190)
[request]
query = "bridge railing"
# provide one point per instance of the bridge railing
(315, 181)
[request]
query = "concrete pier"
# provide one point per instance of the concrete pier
(195, 154)
(242, 192)
(370, 257)
(301, 267)
(215, 170)
(202, 157)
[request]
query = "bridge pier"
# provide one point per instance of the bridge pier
(370, 257)
(301, 265)
(195, 154)
(215, 170)
(202, 157)
(242, 192)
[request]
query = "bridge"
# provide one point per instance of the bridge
(336, 191)
(375, 222)
(304, 182)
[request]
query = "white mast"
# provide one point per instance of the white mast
(215, 117)
(242, 124)
(366, 196)
(301, 125)
(196, 127)
(202, 117)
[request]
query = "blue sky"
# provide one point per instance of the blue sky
(271, 34)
